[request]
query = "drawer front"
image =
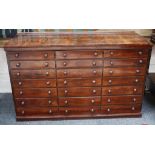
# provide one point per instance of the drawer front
(124, 62)
(78, 54)
(125, 53)
(119, 109)
(36, 102)
(78, 63)
(122, 90)
(38, 92)
(38, 55)
(129, 71)
(34, 83)
(31, 64)
(79, 110)
(125, 100)
(111, 81)
(78, 101)
(79, 82)
(79, 73)
(33, 74)
(79, 92)
(39, 111)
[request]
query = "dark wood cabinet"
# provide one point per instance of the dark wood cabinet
(78, 75)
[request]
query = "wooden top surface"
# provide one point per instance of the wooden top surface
(83, 39)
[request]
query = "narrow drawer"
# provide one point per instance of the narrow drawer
(83, 82)
(111, 81)
(79, 101)
(34, 83)
(29, 55)
(122, 90)
(79, 73)
(125, 53)
(78, 63)
(77, 54)
(91, 110)
(128, 71)
(32, 64)
(78, 92)
(36, 102)
(120, 109)
(125, 100)
(125, 62)
(33, 74)
(37, 111)
(35, 92)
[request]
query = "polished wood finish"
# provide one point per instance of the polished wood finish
(82, 75)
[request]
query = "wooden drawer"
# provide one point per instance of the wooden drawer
(122, 90)
(34, 83)
(128, 71)
(38, 55)
(35, 92)
(119, 109)
(79, 73)
(37, 111)
(111, 81)
(91, 110)
(124, 62)
(79, 92)
(78, 63)
(32, 64)
(83, 82)
(125, 100)
(126, 53)
(79, 101)
(33, 74)
(78, 54)
(36, 102)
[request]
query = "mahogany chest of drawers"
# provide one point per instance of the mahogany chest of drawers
(78, 75)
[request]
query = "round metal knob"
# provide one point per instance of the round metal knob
(92, 110)
(94, 63)
(47, 73)
(21, 92)
(111, 63)
(93, 101)
(65, 82)
(111, 53)
(110, 81)
(23, 112)
(45, 55)
(140, 61)
(109, 91)
(133, 108)
(18, 65)
(94, 91)
(93, 81)
(17, 55)
(137, 71)
(49, 101)
(134, 99)
(65, 63)
(18, 74)
(109, 100)
(22, 102)
(48, 83)
(140, 52)
(136, 80)
(111, 72)
(66, 91)
(65, 72)
(66, 102)
(94, 71)
(20, 83)
(95, 54)
(108, 109)
(66, 111)
(65, 54)
(134, 89)
(46, 64)
(50, 111)
(49, 92)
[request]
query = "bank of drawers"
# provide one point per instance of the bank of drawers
(77, 83)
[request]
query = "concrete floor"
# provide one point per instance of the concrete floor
(7, 115)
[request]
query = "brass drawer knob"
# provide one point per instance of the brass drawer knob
(136, 80)
(94, 91)
(111, 63)
(133, 108)
(94, 63)
(49, 92)
(110, 81)
(65, 54)
(109, 91)
(66, 91)
(18, 64)
(134, 99)
(20, 83)
(92, 101)
(48, 82)
(108, 110)
(65, 82)
(46, 64)
(140, 52)
(22, 102)
(21, 92)
(92, 110)
(134, 89)
(45, 55)
(111, 52)
(137, 71)
(66, 102)
(95, 54)
(47, 73)
(50, 111)
(93, 81)
(23, 112)
(66, 111)
(17, 55)
(18, 74)
(111, 72)
(49, 101)
(65, 73)
(65, 63)
(140, 61)
(109, 100)
(94, 71)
